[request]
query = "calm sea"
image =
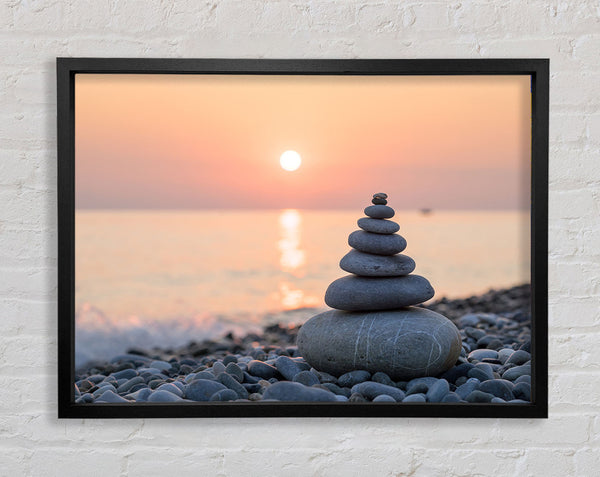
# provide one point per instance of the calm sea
(163, 278)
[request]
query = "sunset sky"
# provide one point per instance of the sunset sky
(214, 141)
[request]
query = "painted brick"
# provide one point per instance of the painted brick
(34, 33)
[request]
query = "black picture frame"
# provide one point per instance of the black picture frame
(67, 68)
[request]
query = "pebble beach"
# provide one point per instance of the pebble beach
(494, 365)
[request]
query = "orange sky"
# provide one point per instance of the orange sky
(214, 141)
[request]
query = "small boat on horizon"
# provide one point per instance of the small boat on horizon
(425, 211)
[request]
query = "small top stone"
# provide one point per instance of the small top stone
(379, 198)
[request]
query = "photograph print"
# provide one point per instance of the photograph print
(258, 239)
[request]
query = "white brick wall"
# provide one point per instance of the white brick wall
(33, 442)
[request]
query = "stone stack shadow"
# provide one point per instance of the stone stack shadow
(374, 326)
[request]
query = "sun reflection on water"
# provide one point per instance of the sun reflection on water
(292, 259)
(292, 256)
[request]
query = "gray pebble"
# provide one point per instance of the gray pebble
(205, 375)
(125, 374)
(290, 391)
(370, 390)
(225, 395)
(85, 399)
(218, 368)
(141, 395)
(163, 396)
(379, 212)
(522, 391)
(370, 265)
(202, 389)
(232, 383)
(341, 398)
(479, 396)
(126, 386)
(110, 397)
(451, 397)
(497, 400)
(162, 365)
(354, 293)
(356, 397)
(383, 378)
(100, 391)
(465, 389)
(229, 359)
(171, 388)
(379, 244)
(287, 367)
(480, 354)
(306, 377)
(235, 371)
(348, 380)
(334, 388)
(437, 391)
(262, 370)
(498, 387)
(384, 398)
(480, 374)
(526, 378)
(417, 388)
(519, 357)
(415, 398)
(378, 226)
(513, 373)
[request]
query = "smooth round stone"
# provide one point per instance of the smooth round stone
(522, 391)
(290, 391)
(287, 367)
(437, 391)
(163, 396)
(467, 388)
(231, 383)
(451, 397)
(110, 396)
(498, 387)
(353, 293)
(334, 388)
(307, 378)
(516, 372)
(348, 380)
(380, 195)
(480, 354)
(417, 388)
(378, 244)
(519, 357)
(378, 226)
(369, 265)
(379, 201)
(415, 398)
(404, 344)
(202, 389)
(262, 370)
(224, 395)
(384, 398)
(371, 390)
(171, 388)
(379, 211)
(382, 378)
(479, 396)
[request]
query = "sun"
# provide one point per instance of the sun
(290, 160)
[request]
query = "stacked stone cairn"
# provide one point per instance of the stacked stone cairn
(375, 326)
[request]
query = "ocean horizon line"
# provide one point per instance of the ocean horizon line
(279, 209)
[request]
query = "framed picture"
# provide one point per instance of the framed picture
(302, 237)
